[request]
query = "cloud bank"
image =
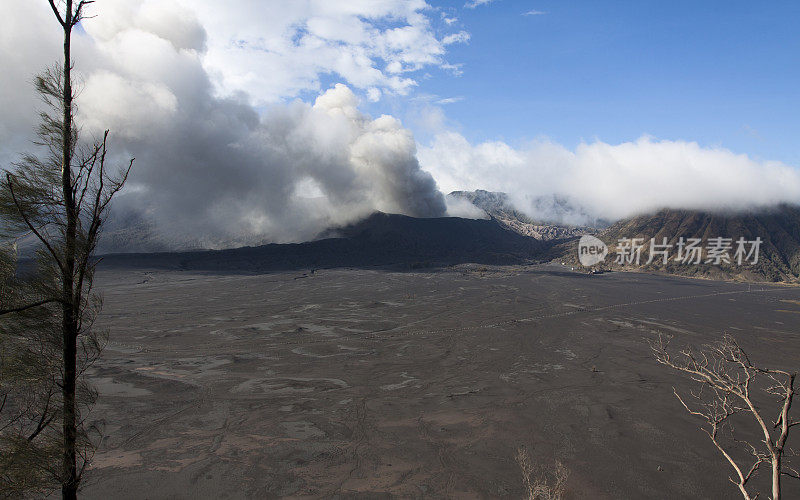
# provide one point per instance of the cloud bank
(600, 180)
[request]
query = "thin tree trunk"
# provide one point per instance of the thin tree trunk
(776, 476)
(69, 485)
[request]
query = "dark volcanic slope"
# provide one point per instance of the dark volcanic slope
(778, 228)
(379, 240)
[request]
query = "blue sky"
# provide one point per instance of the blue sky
(721, 73)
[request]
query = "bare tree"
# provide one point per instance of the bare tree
(541, 484)
(61, 199)
(731, 385)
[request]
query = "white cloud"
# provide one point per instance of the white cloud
(461, 207)
(611, 181)
(460, 37)
(374, 94)
(274, 50)
(454, 69)
(535, 13)
(449, 20)
(140, 109)
(24, 51)
(476, 3)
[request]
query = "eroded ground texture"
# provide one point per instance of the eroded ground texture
(362, 383)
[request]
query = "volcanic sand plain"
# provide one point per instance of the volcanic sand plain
(367, 383)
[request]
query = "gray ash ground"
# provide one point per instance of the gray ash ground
(370, 384)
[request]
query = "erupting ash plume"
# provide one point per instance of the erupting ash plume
(211, 171)
(282, 177)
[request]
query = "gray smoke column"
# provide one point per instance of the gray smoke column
(220, 175)
(213, 171)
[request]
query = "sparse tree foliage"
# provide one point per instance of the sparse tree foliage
(29, 394)
(540, 483)
(730, 387)
(60, 200)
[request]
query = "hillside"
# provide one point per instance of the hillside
(379, 240)
(778, 228)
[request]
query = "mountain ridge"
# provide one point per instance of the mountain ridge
(779, 250)
(379, 240)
